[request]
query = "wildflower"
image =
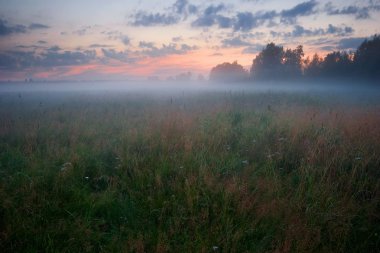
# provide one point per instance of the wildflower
(66, 166)
(86, 178)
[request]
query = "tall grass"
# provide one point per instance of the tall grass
(214, 172)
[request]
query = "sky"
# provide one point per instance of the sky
(136, 39)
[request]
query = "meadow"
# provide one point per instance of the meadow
(190, 171)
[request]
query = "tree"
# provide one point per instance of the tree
(337, 65)
(313, 68)
(275, 63)
(293, 63)
(267, 62)
(367, 58)
(228, 72)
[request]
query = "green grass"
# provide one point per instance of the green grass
(186, 172)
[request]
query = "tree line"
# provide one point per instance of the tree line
(275, 63)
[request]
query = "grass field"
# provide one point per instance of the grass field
(211, 171)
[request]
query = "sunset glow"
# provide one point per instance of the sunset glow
(86, 40)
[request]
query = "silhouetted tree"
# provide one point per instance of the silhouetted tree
(293, 63)
(228, 72)
(367, 58)
(313, 68)
(275, 63)
(337, 65)
(268, 62)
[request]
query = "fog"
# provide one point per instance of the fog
(169, 87)
(354, 91)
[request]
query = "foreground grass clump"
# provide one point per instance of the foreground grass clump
(220, 172)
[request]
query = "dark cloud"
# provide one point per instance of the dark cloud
(123, 56)
(209, 17)
(98, 45)
(224, 22)
(55, 48)
(150, 19)
(180, 6)
(302, 9)
(341, 31)
(126, 40)
(328, 48)
(42, 42)
(183, 7)
(35, 26)
(67, 58)
(300, 31)
(6, 29)
(30, 47)
(169, 49)
(359, 13)
(253, 49)
(350, 43)
(144, 44)
(235, 42)
(246, 21)
(21, 60)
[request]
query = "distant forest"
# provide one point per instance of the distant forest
(275, 63)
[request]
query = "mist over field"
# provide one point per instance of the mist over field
(187, 166)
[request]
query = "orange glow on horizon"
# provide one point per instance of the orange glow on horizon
(198, 62)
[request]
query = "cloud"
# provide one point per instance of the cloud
(300, 31)
(350, 43)
(149, 19)
(328, 48)
(35, 26)
(224, 22)
(42, 42)
(143, 44)
(123, 56)
(235, 42)
(359, 12)
(126, 40)
(341, 31)
(21, 60)
(99, 45)
(302, 9)
(55, 48)
(170, 49)
(209, 17)
(246, 21)
(180, 10)
(253, 49)
(183, 7)
(6, 29)
(82, 31)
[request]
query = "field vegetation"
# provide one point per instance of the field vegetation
(213, 171)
